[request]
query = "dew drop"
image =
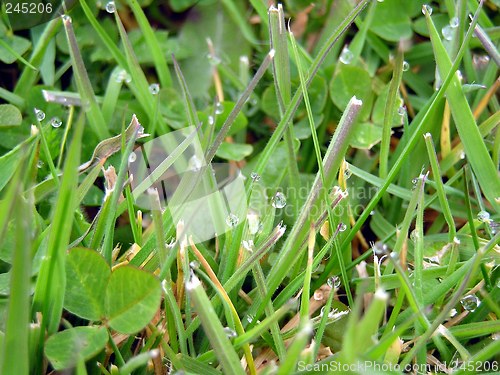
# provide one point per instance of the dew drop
(342, 227)
(154, 88)
(318, 295)
(428, 8)
(253, 223)
(132, 157)
(248, 245)
(279, 200)
(39, 165)
(495, 336)
(219, 108)
(55, 122)
(211, 120)
(483, 216)
(232, 220)
(194, 265)
(414, 182)
(447, 32)
(480, 61)
(110, 7)
(347, 173)
(454, 22)
(213, 60)
(123, 76)
(406, 66)
(414, 235)
(255, 177)
(402, 110)
(66, 18)
(40, 115)
(230, 333)
(346, 56)
(462, 155)
(380, 248)
(380, 1)
(194, 163)
(334, 282)
(470, 302)
(453, 312)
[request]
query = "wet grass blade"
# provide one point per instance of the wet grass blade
(89, 103)
(153, 44)
(474, 146)
(213, 328)
(47, 299)
(14, 355)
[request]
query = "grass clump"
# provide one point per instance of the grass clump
(205, 187)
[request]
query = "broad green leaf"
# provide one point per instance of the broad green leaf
(87, 275)
(10, 161)
(132, 299)
(234, 151)
(391, 21)
(302, 129)
(16, 43)
(65, 349)
(10, 115)
(351, 81)
(366, 135)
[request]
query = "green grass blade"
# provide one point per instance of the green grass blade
(440, 187)
(89, 103)
(47, 299)
(154, 47)
(14, 357)
(474, 146)
(213, 328)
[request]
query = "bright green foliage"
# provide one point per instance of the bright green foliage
(368, 143)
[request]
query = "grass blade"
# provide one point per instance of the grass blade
(474, 147)
(89, 103)
(213, 328)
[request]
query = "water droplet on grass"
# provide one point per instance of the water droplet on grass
(255, 177)
(470, 302)
(55, 122)
(483, 216)
(40, 115)
(342, 227)
(219, 108)
(334, 282)
(402, 110)
(211, 120)
(230, 333)
(318, 295)
(380, 248)
(346, 56)
(39, 164)
(406, 66)
(132, 157)
(110, 7)
(428, 8)
(279, 200)
(232, 220)
(347, 173)
(154, 88)
(447, 32)
(454, 22)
